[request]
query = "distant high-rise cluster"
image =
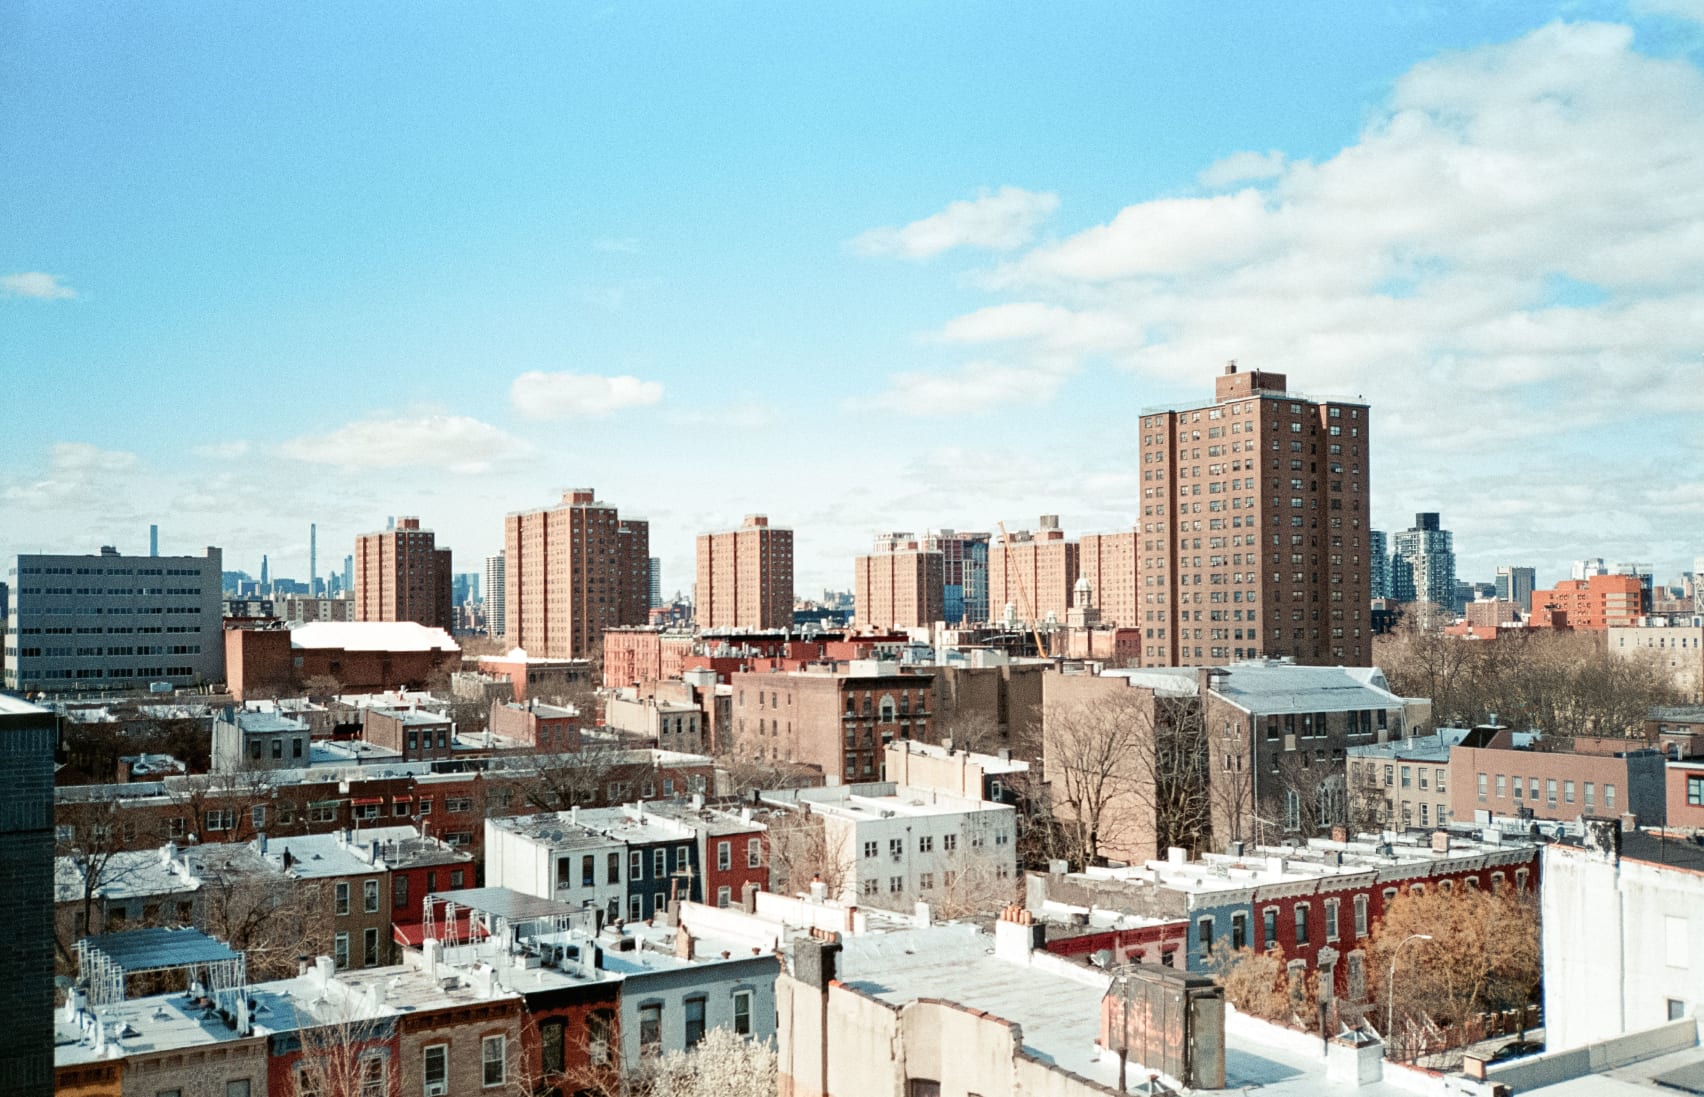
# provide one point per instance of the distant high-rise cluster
(1422, 563)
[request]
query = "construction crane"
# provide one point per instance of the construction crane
(1023, 592)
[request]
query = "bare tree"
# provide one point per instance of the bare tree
(343, 1052)
(1127, 771)
(1483, 955)
(275, 919)
(90, 841)
(724, 1064)
(802, 850)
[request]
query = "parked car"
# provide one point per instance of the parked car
(1516, 1049)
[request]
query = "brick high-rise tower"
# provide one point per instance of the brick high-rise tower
(401, 575)
(899, 585)
(1032, 572)
(571, 571)
(1254, 533)
(745, 577)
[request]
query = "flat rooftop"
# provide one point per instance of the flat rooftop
(887, 800)
(1055, 1004)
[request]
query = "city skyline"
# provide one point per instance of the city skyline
(485, 291)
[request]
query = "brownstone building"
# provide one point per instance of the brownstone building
(1254, 527)
(745, 577)
(401, 575)
(899, 586)
(839, 721)
(1033, 572)
(572, 571)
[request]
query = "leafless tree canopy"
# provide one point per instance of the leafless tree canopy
(1562, 683)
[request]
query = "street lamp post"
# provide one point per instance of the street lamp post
(1390, 991)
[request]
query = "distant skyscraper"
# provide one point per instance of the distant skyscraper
(495, 621)
(265, 572)
(28, 736)
(1515, 584)
(464, 588)
(571, 571)
(656, 581)
(153, 540)
(964, 574)
(313, 559)
(401, 575)
(745, 577)
(1585, 569)
(1378, 556)
(1278, 484)
(1422, 563)
(349, 575)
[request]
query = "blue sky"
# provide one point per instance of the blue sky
(912, 265)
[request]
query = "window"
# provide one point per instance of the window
(370, 947)
(221, 819)
(1676, 1009)
(599, 1025)
(1206, 927)
(1357, 976)
(949, 842)
(1239, 930)
(926, 843)
(742, 1012)
(613, 869)
(651, 1029)
(1609, 797)
(552, 1038)
(1567, 792)
(370, 896)
(1483, 783)
(659, 863)
(694, 1021)
(724, 896)
(1331, 919)
(341, 897)
(340, 950)
(1550, 791)
(868, 887)
(494, 1057)
(238, 1087)
(896, 884)
(1502, 787)
(635, 864)
(724, 855)
(896, 848)
(257, 816)
(754, 853)
(870, 849)
(1269, 927)
(1360, 916)
(635, 908)
(926, 881)
(1694, 791)
(588, 870)
(372, 1076)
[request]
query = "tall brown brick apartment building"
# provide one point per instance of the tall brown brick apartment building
(401, 575)
(571, 571)
(1038, 568)
(1254, 528)
(745, 577)
(899, 585)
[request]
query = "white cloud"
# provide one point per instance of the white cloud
(998, 221)
(1691, 10)
(539, 395)
(222, 451)
(77, 475)
(971, 388)
(454, 443)
(1513, 240)
(35, 284)
(1242, 167)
